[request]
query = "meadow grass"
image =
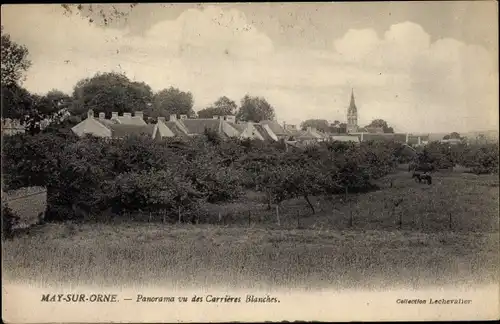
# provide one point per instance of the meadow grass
(324, 251)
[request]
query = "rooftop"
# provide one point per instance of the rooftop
(198, 126)
(121, 130)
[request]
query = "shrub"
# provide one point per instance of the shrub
(9, 221)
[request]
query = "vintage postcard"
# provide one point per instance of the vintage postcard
(250, 162)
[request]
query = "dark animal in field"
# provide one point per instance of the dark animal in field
(419, 177)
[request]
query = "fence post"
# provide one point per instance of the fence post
(249, 218)
(451, 225)
(179, 212)
(298, 218)
(350, 216)
(278, 215)
(400, 220)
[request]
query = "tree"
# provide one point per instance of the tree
(453, 135)
(16, 101)
(14, 61)
(319, 124)
(338, 127)
(171, 101)
(255, 109)
(52, 102)
(59, 98)
(223, 106)
(110, 92)
(382, 124)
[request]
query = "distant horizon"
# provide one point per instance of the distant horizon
(424, 67)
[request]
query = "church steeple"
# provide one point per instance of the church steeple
(352, 105)
(352, 115)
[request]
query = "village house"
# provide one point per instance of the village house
(14, 126)
(276, 129)
(266, 132)
(11, 127)
(247, 130)
(116, 127)
(197, 126)
(309, 135)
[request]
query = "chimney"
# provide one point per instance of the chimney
(139, 114)
(183, 116)
(127, 115)
(90, 113)
(173, 117)
(231, 118)
(102, 115)
(215, 117)
(162, 119)
(114, 115)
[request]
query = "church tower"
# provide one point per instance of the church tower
(352, 116)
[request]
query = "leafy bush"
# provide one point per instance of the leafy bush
(9, 221)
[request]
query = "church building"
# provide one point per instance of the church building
(352, 116)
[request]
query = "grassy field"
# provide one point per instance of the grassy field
(304, 250)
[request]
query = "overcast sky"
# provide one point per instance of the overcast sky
(422, 66)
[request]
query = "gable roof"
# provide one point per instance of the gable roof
(314, 133)
(263, 132)
(275, 127)
(175, 128)
(197, 126)
(106, 122)
(163, 130)
(121, 130)
(239, 127)
(134, 120)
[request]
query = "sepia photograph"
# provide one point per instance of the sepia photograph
(250, 162)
